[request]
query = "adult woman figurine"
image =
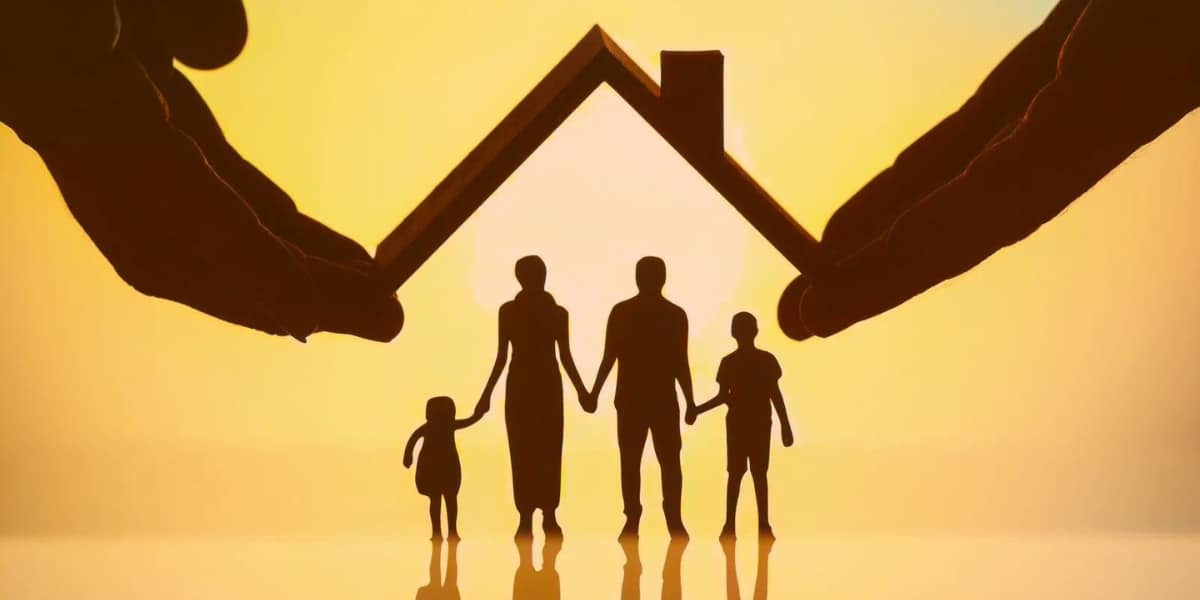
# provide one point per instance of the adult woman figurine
(534, 325)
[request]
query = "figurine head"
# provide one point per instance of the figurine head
(439, 409)
(744, 328)
(531, 273)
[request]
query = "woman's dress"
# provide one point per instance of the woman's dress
(533, 406)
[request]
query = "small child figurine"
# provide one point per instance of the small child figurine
(749, 380)
(439, 472)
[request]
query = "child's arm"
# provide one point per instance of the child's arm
(722, 397)
(469, 421)
(785, 426)
(412, 445)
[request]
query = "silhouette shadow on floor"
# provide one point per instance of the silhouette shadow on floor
(437, 588)
(672, 580)
(530, 583)
(732, 588)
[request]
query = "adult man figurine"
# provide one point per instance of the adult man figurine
(648, 336)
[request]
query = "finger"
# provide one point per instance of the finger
(174, 229)
(184, 235)
(1128, 73)
(943, 152)
(202, 34)
(84, 126)
(273, 206)
(349, 301)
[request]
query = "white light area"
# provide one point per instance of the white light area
(602, 192)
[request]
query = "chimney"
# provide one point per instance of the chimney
(693, 96)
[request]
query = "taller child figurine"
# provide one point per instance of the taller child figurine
(749, 380)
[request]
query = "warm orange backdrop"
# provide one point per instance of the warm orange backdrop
(1053, 387)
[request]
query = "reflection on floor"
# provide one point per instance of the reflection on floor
(672, 573)
(530, 583)
(437, 588)
(980, 567)
(732, 590)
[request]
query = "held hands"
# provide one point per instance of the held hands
(587, 400)
(689, 416)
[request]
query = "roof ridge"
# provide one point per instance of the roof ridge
(595, 59)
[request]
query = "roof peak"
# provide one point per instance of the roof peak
(689, 116)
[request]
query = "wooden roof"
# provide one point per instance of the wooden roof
(594, 60)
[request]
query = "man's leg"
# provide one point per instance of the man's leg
(631, 440)
(667, 442)
(550, 523)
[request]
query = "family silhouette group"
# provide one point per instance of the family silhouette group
(647, 341)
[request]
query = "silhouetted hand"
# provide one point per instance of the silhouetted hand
(1095, 82)
(585, 399)
(689, 416)
(408, 462)
(145, 169)
(787, 437)
(589, 401)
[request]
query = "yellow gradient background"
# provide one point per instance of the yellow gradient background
(1044, 404)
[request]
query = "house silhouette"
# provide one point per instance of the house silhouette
(687, 110)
